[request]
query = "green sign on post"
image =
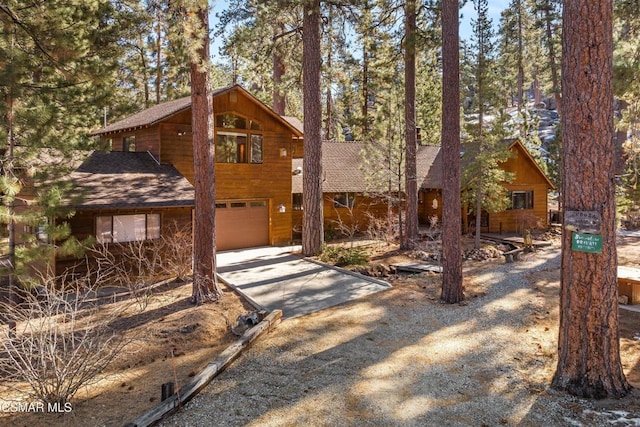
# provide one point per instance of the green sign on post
(582, 242)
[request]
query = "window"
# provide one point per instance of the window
(233, 148)
(238, 147)
(344, 200)
(127, 228)
(129, 143)
(230, 121)
(521, 199)
(297, 201)
(256, 148)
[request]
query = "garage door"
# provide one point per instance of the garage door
(242, 224)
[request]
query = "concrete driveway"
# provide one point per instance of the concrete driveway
(275, 278)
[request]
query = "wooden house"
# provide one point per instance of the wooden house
(350, 199)
(148, 173)
(528, 193)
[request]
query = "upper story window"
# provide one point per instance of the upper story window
(233, 121)
(521, 199)
(237, 140)
(129, 143)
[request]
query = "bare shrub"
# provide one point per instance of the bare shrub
(527, 221)
(62, 339)
(138, 265)
(385, 228)
(347, 223)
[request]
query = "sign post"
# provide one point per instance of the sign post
(582, 242)
(585, 228)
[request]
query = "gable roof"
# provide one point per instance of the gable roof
(295, 122)
(160, 112)
(517, 142)
(148, 117)
(128, 180)
(342, 167)
(342, 164)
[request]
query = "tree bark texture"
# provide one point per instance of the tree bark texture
(205, 285)
(312, 221)
(551, 51)
(452, 290)
(411, 180)
(588, 345)
(279, 68)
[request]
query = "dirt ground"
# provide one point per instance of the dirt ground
(172, 339)
(169, 341)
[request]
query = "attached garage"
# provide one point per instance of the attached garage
(242, 224)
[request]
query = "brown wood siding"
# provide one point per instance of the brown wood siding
(270, 180)
(297, 148)
(177, 147)
(83, 226)
(171, 142)
(364, 207)
(527, 178)
(147, 139)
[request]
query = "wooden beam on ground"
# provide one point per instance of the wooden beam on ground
(217, 365)
(414, 267)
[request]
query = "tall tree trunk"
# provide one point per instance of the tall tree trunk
(328, 125)
(312, 221)
(411, 186)
(8, 161)
(279, 98)
(480, 136)
(145, 71)
(451, 204)
(205, 283)
(520, 83)
(365, 92)
(159, 56)
(10, 169)
(588, 344)
(551, 51)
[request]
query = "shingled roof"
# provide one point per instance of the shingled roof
(127, 180)
(147, 117)
(157, 113)
(342, 168)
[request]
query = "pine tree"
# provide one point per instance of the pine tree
(589, 362)
(627, 89)
(452, 291)
(58, 67)
(483, 176)
(205, 283)
(411, 179)
(312, 220)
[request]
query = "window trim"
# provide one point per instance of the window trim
(129, 142)
(253, 135)
(528, 199)
(107, 236)
(296, 201)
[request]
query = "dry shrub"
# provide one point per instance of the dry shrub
(62, 339)
(139, 264)
(385, 229)
(527, 221)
